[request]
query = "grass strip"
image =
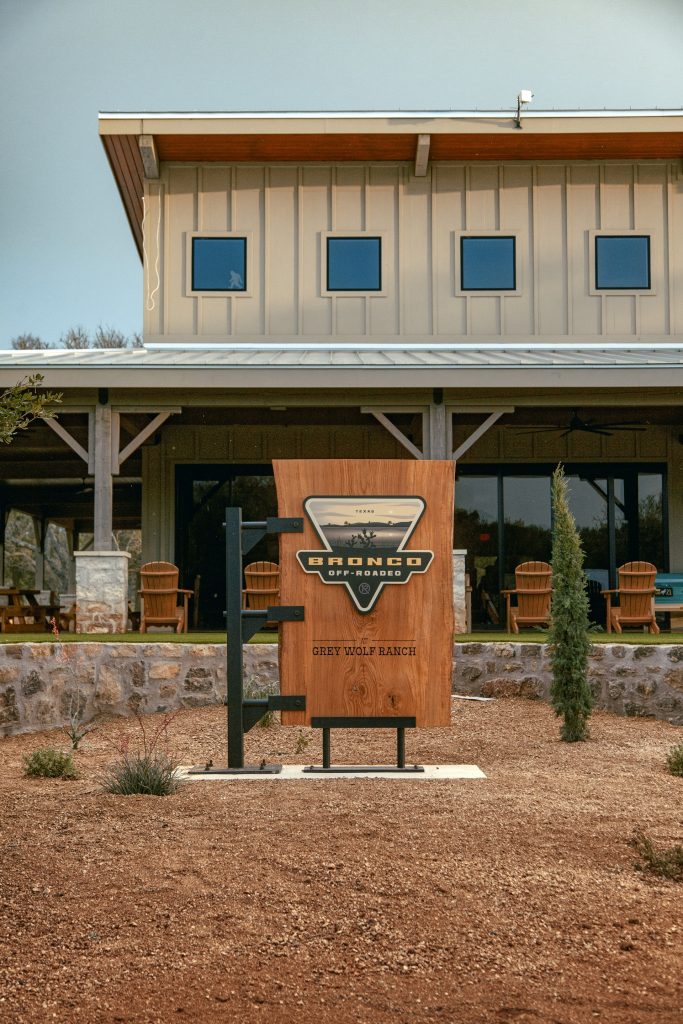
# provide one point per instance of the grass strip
(530, 637)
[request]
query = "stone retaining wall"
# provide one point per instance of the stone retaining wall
(42, 684)
(628, 679)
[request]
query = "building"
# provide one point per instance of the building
(503, 290)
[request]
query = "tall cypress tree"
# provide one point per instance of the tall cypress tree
(570, 693)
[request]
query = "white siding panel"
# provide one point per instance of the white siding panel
(214, 215)
(651, 218)
(516, 217)
(248, 203)
(482, 197)
(620, 314)
(349, 196)
(282, 250)
(616, 214)
(675, 222)
(551, 252)
(315, 204)
(350, 314)
(482, 214)
(153, 269)
(448, 218)
(415, 257)
(616, 197)
(484, 315)
(181, 309)
(348, 206)
(583, 197)
(381, 203)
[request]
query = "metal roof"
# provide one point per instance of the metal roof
(296, 364)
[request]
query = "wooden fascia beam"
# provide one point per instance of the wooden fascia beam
(148, 153)
(422, 155)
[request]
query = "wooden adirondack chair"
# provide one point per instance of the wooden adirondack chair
(262, 588)
(533, 590)
(636, 593)
(159, 593)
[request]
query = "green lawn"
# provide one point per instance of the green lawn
(532, 636)
(128, 638)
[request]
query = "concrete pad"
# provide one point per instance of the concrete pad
(296, 771)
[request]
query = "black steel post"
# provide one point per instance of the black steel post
(326, 748)
(233, 592)
(401, 748)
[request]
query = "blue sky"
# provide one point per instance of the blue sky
(68, 256)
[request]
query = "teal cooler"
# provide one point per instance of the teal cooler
(668, 589)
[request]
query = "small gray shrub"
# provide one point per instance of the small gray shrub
(49, 763)
(145, 774)
(674, 760)
(666, 862)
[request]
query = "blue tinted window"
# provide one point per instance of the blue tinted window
(622, 261)
(487, 264)
(354, 264)
(219, 264)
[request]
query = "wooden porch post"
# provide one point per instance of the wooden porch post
(39, 530)
(4, 513)
(104, 487)
(437, 439)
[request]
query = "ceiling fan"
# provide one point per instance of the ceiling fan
(577, 423)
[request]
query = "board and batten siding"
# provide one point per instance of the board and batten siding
(286, 209)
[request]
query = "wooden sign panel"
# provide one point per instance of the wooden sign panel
(373, 570)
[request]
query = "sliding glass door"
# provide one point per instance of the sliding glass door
(503, 518)
(202, 494)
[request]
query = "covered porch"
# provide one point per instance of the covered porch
(149, 447)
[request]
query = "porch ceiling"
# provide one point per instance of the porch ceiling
(42, 476)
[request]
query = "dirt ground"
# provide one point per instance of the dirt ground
(510, 899)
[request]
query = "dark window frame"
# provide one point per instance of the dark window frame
(494, 238)
(623, 287)
(353, 238)
(219, 238)
(608, 470)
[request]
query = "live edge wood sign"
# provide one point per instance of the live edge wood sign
(373, 571)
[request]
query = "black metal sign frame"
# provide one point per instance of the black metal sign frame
(241, 624)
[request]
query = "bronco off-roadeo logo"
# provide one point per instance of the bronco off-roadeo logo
(364, 540)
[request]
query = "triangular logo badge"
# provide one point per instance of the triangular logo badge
(364, 540)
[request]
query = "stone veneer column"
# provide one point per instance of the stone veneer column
(459, 591)
(101, 591)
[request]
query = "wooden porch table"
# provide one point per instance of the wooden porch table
(22, 605)
(669, 609)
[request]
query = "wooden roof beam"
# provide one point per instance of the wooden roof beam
(67, 437)
(422, 155)
(148, 152)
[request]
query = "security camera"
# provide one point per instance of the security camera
(524, 96)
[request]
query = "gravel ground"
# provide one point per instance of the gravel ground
(507, 899)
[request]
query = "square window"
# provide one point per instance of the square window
(488, 264)
(219, 264)
(354, 264)
(622, 261)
